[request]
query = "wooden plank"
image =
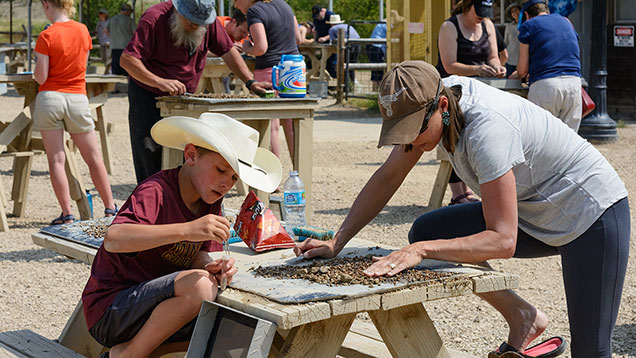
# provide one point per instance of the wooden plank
(21, 176)
(64, 247)
(76, 337)
(76, 187)
(459, 287)
(4, 225)
(14, 128)
(103, 139)
(8, 352)
(494, 281)
(359, 304)
(285, 316)
(408, 331)
(318, 339)
(32, 344)
(439, 187)
(359, 346)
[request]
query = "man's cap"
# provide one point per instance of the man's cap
(126, 7)
(315, 10)
(334, 20)
(405, 92)
(103, 11)
(236, 142)
(200, 12)
(483, 8)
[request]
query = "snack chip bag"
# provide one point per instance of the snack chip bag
(257, 226)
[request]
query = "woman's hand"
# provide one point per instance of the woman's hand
(216, 268)
(501, 71)
(486, 71)
(209, 227)
(311, 248)
(395, 262)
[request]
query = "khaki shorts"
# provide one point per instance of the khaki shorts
(58, 110)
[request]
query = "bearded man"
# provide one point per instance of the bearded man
(166, 56)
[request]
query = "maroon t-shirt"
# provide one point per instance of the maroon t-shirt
(157, 200)
(154, 46)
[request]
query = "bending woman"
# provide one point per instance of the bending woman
(545, 190)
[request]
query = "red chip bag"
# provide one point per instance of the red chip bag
(257, 226)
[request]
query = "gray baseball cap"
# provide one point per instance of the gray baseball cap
(200, 12)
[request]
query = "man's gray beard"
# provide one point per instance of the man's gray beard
(190, 40)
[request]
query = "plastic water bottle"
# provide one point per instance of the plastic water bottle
(294, 201)
(89, 196)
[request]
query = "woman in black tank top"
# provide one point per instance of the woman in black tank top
(459, 55)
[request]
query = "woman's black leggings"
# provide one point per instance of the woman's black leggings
(594, 266)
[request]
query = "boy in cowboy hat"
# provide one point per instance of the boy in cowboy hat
(153, 271)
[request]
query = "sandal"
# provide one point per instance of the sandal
(547, 349)
(469, 195)
(62, 219)
(111, 212)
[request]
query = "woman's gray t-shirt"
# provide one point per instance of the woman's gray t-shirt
(563, 183)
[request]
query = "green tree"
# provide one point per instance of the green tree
(348, 10)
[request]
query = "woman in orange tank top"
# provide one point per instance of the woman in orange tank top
(61, 104)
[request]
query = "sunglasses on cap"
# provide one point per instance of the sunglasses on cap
(433, 106)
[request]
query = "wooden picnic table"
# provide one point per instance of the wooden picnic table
(215, 70)
(256, 113)
(16, 141)
(324, 327)
(318, 66)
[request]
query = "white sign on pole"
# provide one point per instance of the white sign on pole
(624, 36)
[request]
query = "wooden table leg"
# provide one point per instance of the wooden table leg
(75, 335)
(4, 225)
(409, 332)
(103, 138)
(302, 161)
(21, 176)
(76, 188)
(441, 181)
(324, 54)
(317, 339)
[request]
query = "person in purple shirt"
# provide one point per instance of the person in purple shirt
(166, 56)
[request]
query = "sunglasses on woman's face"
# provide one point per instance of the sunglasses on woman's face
(430, 113)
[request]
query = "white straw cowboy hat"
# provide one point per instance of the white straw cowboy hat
(334, 19)
(235, 141)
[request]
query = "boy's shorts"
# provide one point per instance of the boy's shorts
(58, 110)
(132, 308)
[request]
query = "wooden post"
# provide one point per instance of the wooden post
(340, 66)
(409, 332)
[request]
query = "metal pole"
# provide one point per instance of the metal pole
(11, 21)
(221, 6)
(381, 10)
(29, 37)
(81, 7)
(599, 126)
(502, 12)
(330, 5)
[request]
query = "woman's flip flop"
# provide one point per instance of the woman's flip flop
(549, 348)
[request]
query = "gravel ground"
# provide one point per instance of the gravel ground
(39, 288)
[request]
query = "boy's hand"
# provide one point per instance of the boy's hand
(215, 268)
(209, 227)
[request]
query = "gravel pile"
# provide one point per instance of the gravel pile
(347, 271)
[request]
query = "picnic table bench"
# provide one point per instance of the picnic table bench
(315, 320)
